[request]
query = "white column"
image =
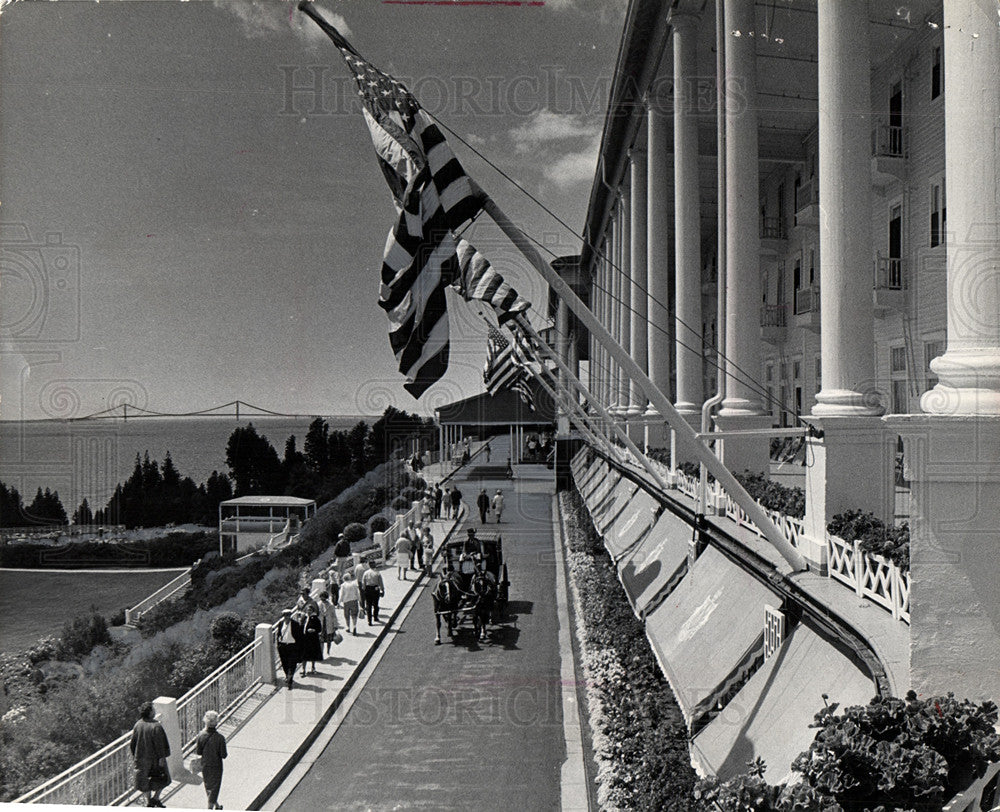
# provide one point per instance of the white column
(263, 655)
(951, 452)
(847, 319)
(969, 370)
(165, 708)
(659, 248)
(614, 297)
(625, 303)
(687, 218)
(741, 408)
(639, 274)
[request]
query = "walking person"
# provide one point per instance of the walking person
(456, 502)
(413, 535)
(328, 616)
(350, 598)
(359, 572)
(342, 550)
(488, 451)
(289, 644)
(427, 542)
(211, 746)
(373, 589)
(498, 504)
(438, 495)
(403, 551)
(427, 507)
(312, 639)
(483, 503)
(149, 748)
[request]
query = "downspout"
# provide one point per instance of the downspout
(720, 310)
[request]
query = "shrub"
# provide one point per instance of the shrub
(875, 536)
(81, 634)
(773, 496)
(118, 618)
(378, 524)
(227, 631)
(355, 532)
(402, 503)
(411, 494)
(903, 754)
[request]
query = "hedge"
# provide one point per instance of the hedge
(875, 536)
(640, 740)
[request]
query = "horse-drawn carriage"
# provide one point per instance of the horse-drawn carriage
(473, 584)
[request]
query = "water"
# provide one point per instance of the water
(87, 459)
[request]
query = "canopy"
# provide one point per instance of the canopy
(769, 718)
(614, 504)
(658, 563)
(710, 629)
(634, 519)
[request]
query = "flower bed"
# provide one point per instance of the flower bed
(890, 754)
(640, 741)
(877, 538)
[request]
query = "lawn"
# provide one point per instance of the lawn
(35, 604)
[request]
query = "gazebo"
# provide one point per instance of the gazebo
(249, 522)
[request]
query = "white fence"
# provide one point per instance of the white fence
(870, 576)
(168, 591)
(107, 777)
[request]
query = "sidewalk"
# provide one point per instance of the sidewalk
(271, 731)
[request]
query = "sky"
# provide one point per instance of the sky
(192, 213)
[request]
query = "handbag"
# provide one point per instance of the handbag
(194, 764)
(337, 638)
(159, 778)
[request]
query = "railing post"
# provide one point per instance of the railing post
(166, 709)
(382, 543)
(859, 569)
(263, 654)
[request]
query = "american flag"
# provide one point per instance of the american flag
(480, 282)
(434, 197)
(507, 367)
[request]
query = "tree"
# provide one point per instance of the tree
(253, 463)
(83, 514)
(316, 446)
(357, 444)
(11, 507)
(46, 508)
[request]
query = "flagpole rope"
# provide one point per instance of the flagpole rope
(750, 380)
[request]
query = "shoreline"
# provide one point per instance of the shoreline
(94, 570)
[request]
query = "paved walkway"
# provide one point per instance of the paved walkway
(465, 725)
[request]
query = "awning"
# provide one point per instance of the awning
(769, 718)
(657, 563)
(604, 487)
(595, 475)
(708, 628)
(614, 504)
(578, 465)
(632, 521)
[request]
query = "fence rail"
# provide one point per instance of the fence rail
(870, 576)
(169, 590)
(221, 691)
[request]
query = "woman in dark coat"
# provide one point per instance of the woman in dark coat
(312, 639)
(211, 746)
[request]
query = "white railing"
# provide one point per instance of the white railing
(688, 485)
(221, 691)
(169, 590)
(870, 576)
(107, 777)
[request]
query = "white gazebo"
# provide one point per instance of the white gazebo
(250, 522)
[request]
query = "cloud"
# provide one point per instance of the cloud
(574, 167)
(546, 127)
(263, 18)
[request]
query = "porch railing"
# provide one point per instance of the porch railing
(807, 299)
(888, 273)
(870, 576)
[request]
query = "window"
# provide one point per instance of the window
(769, 374)
(797, 370)
(932, 349)
(819, 373)
(812, 265)
(939, 212)
(937, 72)
(898, 359)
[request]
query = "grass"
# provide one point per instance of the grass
(36, 604)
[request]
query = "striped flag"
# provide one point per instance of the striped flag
(434, 197)
(480, 282)
(506, 367)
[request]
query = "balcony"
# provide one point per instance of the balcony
(807, 203)
(772, 237)
(807, 308)
(772, 323)
(889, 289)
(888, 154)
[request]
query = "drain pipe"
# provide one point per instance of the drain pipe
(720, 309)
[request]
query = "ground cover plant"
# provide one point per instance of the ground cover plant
(640, 741)
(876, 536)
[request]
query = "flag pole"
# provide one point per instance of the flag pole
(641, 458)
(683, 429)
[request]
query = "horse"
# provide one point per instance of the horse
(485, 590)
(446, 597)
